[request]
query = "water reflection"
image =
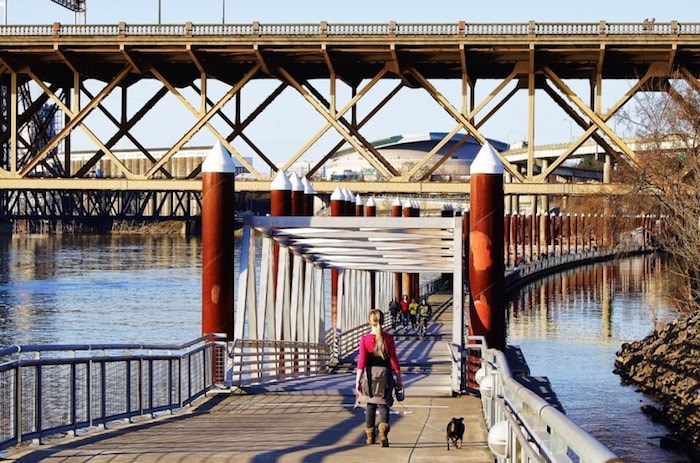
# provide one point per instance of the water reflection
(571, 324)
(63, 289)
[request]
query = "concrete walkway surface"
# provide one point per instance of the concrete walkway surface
(279, 428)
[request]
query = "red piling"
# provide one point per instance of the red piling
(297, 195)
(218, 177)
(396, 212)
(309, 195)
(371, 207)
(486, 271)
(337, 209)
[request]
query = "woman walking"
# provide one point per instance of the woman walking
(374, 380)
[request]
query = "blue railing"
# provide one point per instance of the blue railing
(50, 389)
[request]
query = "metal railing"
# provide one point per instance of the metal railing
(523, 427)
(324, 29)
(51, 389)
(259, 361)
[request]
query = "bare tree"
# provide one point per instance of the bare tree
(667, 178)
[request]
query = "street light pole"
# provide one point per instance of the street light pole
(571, 129)
(223, 11)
(158, 11)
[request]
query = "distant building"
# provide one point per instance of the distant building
(404, 152)
(179, 165)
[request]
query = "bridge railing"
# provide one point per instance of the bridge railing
(461, 28)
(51, 389)
(525, 427)
(259, 361)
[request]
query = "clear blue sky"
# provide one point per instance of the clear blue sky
(280, 133)
(242, 11)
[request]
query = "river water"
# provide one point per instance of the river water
(88, 289)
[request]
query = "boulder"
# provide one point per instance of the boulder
(666, 366)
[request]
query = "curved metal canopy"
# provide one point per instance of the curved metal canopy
(389, 244)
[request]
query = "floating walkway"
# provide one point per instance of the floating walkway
(301, 420)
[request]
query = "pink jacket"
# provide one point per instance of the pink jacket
(367, 346)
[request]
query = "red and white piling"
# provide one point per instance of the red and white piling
(486, 270)
(396, 212)
(297, 195)
(309, 195)
(218, 173)
(371, 207)
(359, 206)
(338, 206)
(371, 211)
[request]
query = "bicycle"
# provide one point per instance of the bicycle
(422, 327)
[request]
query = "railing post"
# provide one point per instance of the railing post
(602, 28)
(128, 387)
(18, 404)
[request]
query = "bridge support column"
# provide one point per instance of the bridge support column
(486, 271)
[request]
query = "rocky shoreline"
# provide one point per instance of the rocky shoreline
(666, 366)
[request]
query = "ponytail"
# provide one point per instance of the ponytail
(376, 320)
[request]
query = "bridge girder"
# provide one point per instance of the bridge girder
(520, 57)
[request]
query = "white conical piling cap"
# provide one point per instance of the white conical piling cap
(337, 194)
(397, 202)
(358, 201)
(308, 188)
(349, 196)
(486, 162)
(371, 202)
(281, 182)
(219, 161)
(296, 182)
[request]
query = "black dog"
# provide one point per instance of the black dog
(455, 432)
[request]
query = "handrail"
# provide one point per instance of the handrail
(325, 29)
(39, 348)
(256, 361)
(63, 388)
(534, 426)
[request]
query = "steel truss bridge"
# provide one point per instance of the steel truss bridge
(77, 74)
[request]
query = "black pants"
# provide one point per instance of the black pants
(371, 412)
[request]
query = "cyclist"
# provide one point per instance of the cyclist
(413, 314)
(424, 313)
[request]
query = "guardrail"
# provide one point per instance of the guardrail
(325, 29)
(523, 426)
(51, 389)
(258, 361)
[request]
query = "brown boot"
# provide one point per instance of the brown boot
(384, 429)
(370, 436)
